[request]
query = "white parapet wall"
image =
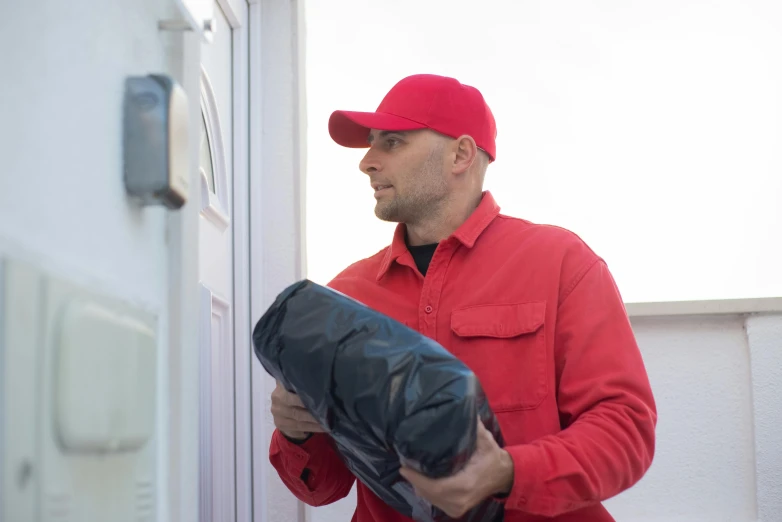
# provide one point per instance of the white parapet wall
(716, 370)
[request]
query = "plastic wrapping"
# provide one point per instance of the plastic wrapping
(386, 394)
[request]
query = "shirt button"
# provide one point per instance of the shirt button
(428, 309)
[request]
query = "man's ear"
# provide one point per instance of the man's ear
(466, 153)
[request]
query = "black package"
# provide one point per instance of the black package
(385, 393)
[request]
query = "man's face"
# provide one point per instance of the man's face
(407, 173)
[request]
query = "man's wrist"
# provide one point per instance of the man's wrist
(297, 437)
(504, 474)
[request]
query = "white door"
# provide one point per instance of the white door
(216, 270)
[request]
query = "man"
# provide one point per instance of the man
(531, 309)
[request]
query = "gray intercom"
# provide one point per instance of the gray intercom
(155, 144)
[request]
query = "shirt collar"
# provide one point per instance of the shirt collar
(467, 234)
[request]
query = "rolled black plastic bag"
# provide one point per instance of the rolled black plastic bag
(386, 394)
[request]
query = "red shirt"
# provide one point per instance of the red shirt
(535, 313)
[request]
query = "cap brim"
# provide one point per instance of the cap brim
(351, 129)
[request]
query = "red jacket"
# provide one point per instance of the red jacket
(536, 314)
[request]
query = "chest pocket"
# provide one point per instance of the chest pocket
(505, 345)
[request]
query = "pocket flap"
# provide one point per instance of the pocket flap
(498, 320)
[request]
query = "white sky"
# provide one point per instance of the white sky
(653, 129)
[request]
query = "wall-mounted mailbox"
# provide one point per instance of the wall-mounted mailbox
(155, 143)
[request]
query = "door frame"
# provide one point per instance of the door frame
(277, 242)
(237, 14)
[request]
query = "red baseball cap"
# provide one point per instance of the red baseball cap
(422, 101)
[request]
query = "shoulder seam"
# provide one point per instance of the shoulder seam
(579, 277)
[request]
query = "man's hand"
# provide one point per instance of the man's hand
(290, 415)
(488, 472)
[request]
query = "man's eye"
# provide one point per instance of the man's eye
(392, 142)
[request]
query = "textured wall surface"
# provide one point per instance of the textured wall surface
(765, 338)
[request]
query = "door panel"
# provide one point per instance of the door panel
(217, 422)
(216, 265)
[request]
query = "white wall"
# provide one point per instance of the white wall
(717, 379)
(62, 201)
(651, 128)
(718, 383)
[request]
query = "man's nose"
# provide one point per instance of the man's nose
(370, 163)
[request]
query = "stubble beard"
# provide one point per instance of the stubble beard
(424, 201)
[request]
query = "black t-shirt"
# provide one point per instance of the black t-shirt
(422, 255)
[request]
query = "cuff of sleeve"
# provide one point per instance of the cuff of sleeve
(296, 456)
(528, 470)
(532, 469)
(298, 442)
